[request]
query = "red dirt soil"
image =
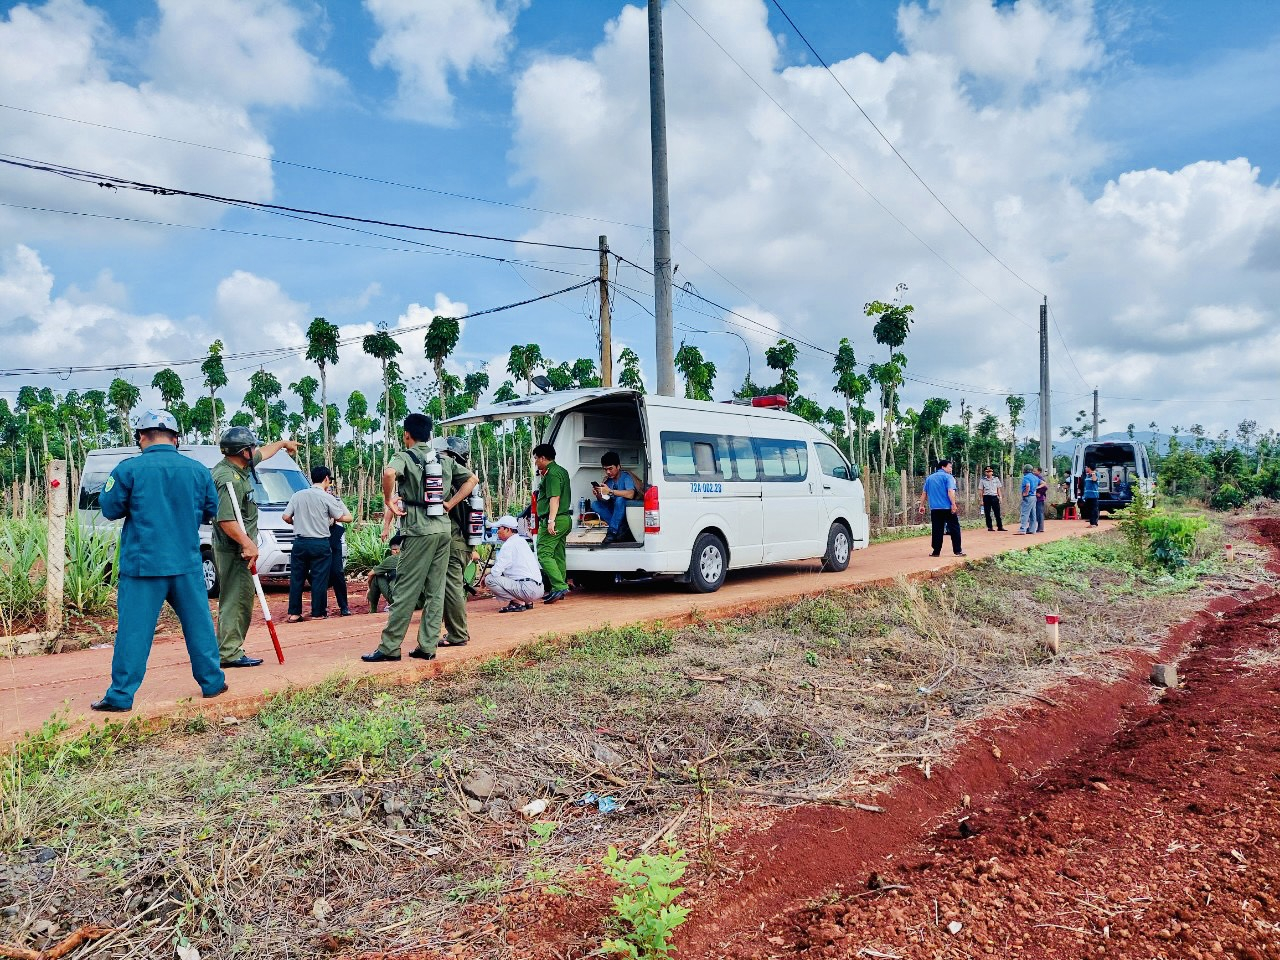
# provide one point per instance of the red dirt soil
(1157, 839)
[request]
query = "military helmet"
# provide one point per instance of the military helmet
(235, 440)
(155, 420)
(459, 447)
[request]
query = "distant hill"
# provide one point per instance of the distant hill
(1065, 448)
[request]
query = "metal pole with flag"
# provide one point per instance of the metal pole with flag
(257, 583)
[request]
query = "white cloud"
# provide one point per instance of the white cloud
(428, 43)
(241, 52)
(57, 58)
(1155, 280)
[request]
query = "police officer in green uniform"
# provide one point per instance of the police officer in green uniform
(455, 591)
(163, 498)
(236, 546)
(424, 554)
(554, 521)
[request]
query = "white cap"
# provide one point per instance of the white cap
(509, 522)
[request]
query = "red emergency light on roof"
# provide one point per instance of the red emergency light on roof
(775, 400)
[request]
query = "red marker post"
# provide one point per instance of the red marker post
(1051, 623)
(1231, 552)
(257, 583)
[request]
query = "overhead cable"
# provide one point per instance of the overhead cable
(898, 154)
(112, 182)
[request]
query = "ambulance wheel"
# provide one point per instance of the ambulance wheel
(210, 571)
(709, 564)
(839, 546)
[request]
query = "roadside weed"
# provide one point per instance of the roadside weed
(644, 910)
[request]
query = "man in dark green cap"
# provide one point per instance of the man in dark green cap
(414, 486)
(235, 546)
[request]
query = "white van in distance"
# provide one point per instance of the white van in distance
(275, 482)
(1123, 469)
(728, 485)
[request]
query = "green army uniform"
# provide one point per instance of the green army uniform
(555, 483)
(382, 580)
(424, 555)
(455, 591)
(235, 583)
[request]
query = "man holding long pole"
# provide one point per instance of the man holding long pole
(235, 538)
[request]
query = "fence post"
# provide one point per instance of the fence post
(906, 498)
(56, 553)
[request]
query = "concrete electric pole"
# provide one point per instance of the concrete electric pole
(1095, 413)
(662, 273)
(606, 324)
(1046, 419)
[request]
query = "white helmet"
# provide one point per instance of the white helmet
(155, 420)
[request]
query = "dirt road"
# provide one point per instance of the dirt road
(34, 689)
(1114, 823)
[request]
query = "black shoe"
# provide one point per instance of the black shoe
(419, 654)
(453, 643)
(609, 538)
(961, 554)
(244, 661)
(344, 613)
(936, 553)
(217, 693)
(103, 707)
(379, 657)
(556, 596)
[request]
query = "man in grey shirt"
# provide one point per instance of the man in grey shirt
(312, 512)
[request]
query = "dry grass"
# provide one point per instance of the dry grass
(338, 816)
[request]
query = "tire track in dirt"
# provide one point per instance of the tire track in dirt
(1150, 831)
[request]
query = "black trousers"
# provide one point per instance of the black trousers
(337, 569)
(991, 506)
(1091, 510)
(945, 521)
(309, 559)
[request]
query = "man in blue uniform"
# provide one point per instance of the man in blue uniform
(939, 497)
(163, 497)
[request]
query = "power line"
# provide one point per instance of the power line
(276, 352)
(113, 182)
(1067, 349)
(898, 154)
(430, 248)
(325, 170)
(845, 170)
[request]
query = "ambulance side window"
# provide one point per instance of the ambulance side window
(744, 458)
(785, 461)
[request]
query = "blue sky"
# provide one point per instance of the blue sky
(1121, 157)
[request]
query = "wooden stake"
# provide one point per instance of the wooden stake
(56, 555)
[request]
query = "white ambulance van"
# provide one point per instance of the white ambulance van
(1123, 469)
(726, 486)
(276, 480)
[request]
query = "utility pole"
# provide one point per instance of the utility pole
(1046, 420)
(662, 272)
(606, 324)
(1095, 413)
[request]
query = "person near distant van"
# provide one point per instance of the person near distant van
(939, 497)
(516, 576)
(1089, 496)
(312, 514)
(1027, 513)
(235, 546)
(424, 553)
(456, 633)
(163, 498)
(1042, 497)
(554, 521)
(612, 498)
(338, 563)
(991, 486)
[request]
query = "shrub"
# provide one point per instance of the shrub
(644, 909)
(365, 547)
(1227, 497)
(1172, 539)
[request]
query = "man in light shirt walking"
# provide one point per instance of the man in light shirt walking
(311, 513)
(939, 498)
(516, 576)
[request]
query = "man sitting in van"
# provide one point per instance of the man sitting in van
(612, 498)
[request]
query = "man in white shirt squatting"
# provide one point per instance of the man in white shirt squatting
(516, 576)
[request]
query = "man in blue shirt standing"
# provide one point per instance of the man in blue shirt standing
(163, 497)
(939, 495)
(612, 498)
(1089, 496)
(1027, 516)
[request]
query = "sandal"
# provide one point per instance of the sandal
(513, 607)
(293, 618)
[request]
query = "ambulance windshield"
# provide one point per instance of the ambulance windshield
(275, 487)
